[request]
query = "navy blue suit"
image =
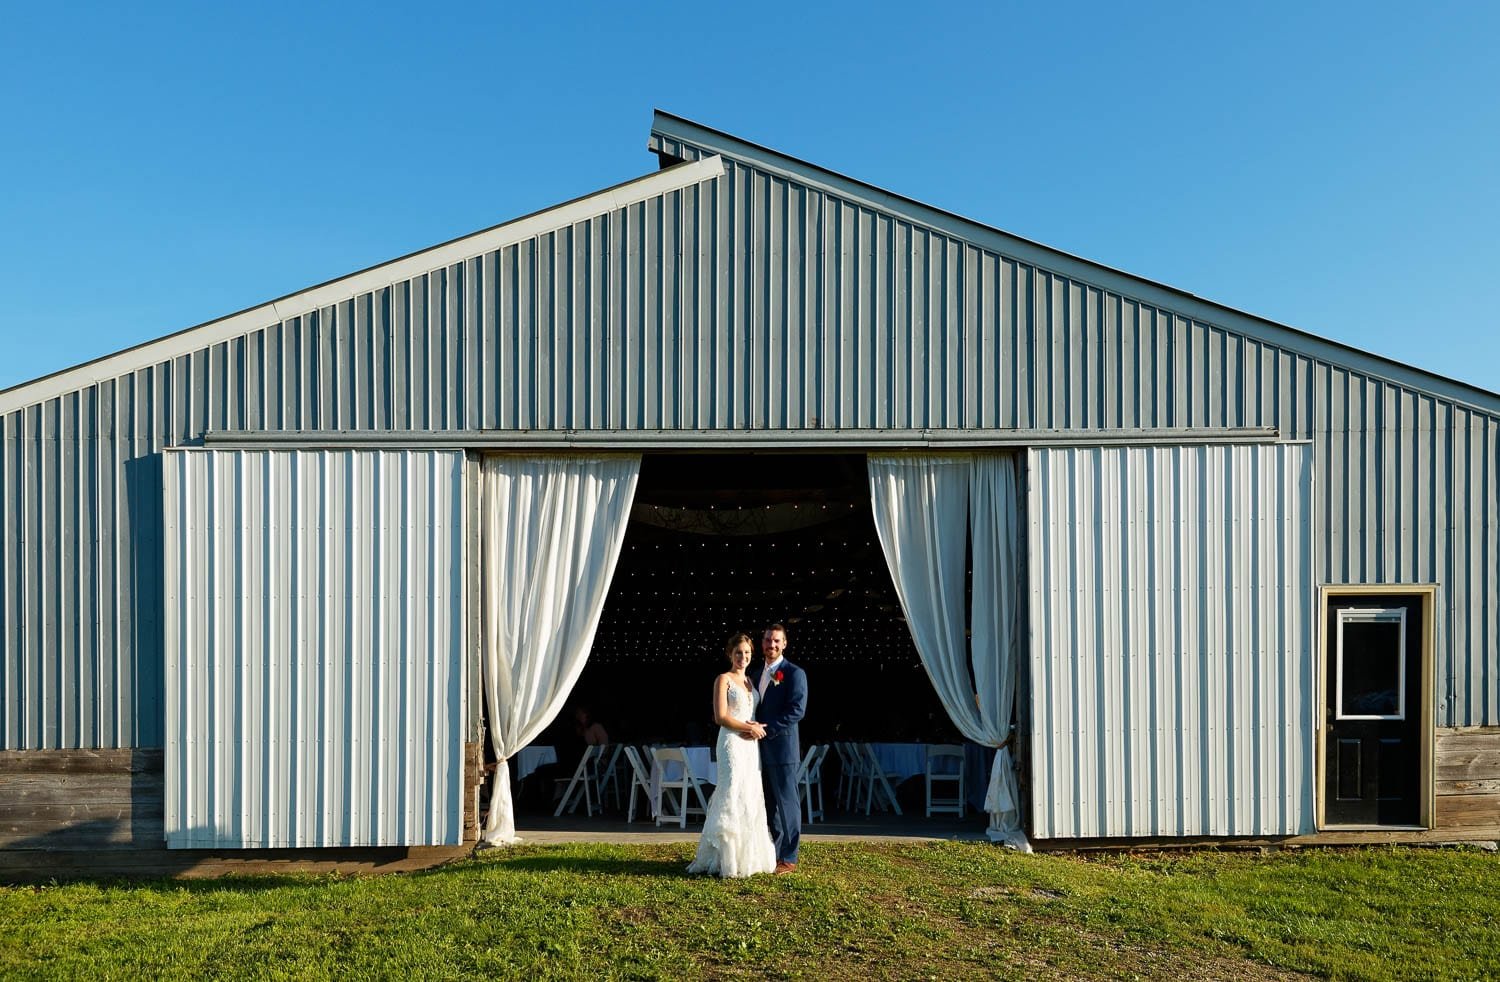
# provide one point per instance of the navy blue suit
(782, 707)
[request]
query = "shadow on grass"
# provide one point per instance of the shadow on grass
(674, 869)
(165, 883)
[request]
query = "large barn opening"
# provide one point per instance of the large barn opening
(723, 543)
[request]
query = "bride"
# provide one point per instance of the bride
(736, 840)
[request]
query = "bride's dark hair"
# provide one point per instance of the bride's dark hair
(734, 642)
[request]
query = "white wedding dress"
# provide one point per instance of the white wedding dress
(736, 839)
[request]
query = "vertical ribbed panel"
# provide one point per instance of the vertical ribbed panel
(1172, 667)
(315, 648)
(752, 300)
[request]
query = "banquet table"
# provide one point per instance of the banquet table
(905, 760)
(901, 760)
(529, 759)
(977, 761)
(700, 761)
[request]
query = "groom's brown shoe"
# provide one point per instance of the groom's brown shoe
(783, 867)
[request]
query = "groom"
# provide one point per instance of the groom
(783, 701)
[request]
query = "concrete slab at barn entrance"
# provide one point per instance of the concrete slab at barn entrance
(877, 828)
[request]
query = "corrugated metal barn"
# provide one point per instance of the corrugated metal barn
(245, 602)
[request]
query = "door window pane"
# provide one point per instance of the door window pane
(1371, 664)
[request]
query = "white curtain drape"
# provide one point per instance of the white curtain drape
(550, 533)
(929, 509)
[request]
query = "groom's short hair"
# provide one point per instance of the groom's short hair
(778, 626)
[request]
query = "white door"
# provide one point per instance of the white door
(315, 625)
(1171, 671)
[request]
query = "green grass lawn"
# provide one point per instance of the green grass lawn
(950, 910)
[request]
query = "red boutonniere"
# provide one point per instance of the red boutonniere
(776, 679)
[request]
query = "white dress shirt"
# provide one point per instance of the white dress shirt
(765, 676)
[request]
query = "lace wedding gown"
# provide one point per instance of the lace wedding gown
(736, 840)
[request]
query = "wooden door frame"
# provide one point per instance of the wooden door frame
(1427, 593)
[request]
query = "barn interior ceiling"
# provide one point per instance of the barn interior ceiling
(724, 544)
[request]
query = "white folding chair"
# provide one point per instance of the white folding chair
(609, 774)
(877, 782)
(810, 781)
(640, 780)
(945, 763)
(682, 785)
(581, 784)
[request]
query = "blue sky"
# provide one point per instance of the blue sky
(1332, 167)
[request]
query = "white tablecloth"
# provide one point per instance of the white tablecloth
(530, 758)
(700, 761)
(903, 760)
(977, 761)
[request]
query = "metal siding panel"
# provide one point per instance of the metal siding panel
(926, 327)
(1449, 657)
(742, 309)
(630, 300)
(453, 391)
(1163, 587)
(1114, 641)
(479, 333)
(549, 250)
(1490, 488)
(709, 291)
(593, 322)
(1081, 367)
(803, 275)
(953, 353)
(67, 655)
(102, 491)
(1083, 709)
(900, 325)
(1465, 536)
(1140, 750)
(864, 346)
(577, 390)
(1145, 381)
(606, 311)
(174, 584)
(669, 331)
(1382, 511)
(506, 368)
(685, 300)
(341, 348)
(1042, 596)
(12, 581)
(847, 352)
(1046, 372)
(123, 598)
(1161, 493)
(273, 381)
(312, 681)
(1358, 483)
(1408, 489)
(756, 283)
(984, 297)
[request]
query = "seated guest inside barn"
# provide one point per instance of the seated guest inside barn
(588, 729)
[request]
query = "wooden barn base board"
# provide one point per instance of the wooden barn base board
(42, 865)
(1361, 837)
